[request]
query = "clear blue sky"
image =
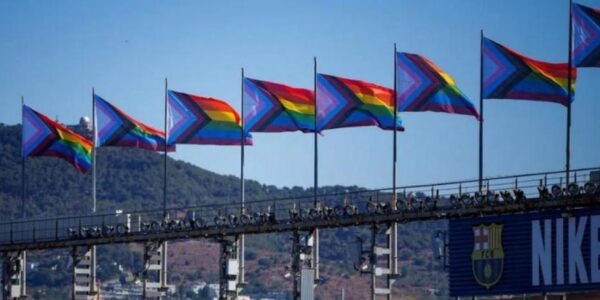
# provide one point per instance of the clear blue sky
(53, 52)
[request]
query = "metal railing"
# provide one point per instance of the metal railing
(440, 197)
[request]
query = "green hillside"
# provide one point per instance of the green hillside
(132, 179)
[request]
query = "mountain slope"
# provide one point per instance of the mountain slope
(132, 179)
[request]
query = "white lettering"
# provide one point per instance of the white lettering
(595, 248)
(541, 252)
(576, 265)
(560, 260)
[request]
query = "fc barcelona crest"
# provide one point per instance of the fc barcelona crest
(488, 255)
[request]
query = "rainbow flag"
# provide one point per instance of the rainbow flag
(510, 75)
(345, 102)
(198, 120)
(44, 137)
(586, 36)
(274, 107)
(116, 128)
(423, 86)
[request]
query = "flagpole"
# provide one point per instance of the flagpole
(316, 140)
(93, 283)
(23, 253)
(22, 163)
(568, 143)
(481, 112)
(241, 242)
(316, 172)
(242, 143)
(93, 151)
(165, 155)
(394, 155)
(394, 240)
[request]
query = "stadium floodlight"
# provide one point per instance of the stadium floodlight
(454, 201)
(479, 199)
(144, 227)
(544, 192)
(556, 191)
(590, 188)
(245, 219)
(174, 225)
(220, 220)
(371, 207)
(430, 204)
(83, 232)
(234, 221)
(383, 208)
(270, 215)
(466, 200)
(507, 197)
(188, 224)
(492, 198)
(303, 214)
(401, 205)
(73, 233)
(314, 213)
(122, 229)
(95, 232)
(294, 213)
(350, 209)
(155, 226)
(328, 212)
(410, 202)
(259, 218)
(199, 223)
(519, 195)
(339, 211)
(573, 189)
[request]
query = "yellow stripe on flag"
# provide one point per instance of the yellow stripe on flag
(223, 116)
(305, 109)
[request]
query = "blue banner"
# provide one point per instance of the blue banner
(528, 253)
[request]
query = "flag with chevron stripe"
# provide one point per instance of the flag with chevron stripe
(586, 36)
(423, 86)
(343, 102)
(509, 75)
(116, 128)
(274, 107)
(199, 120)
(44, 137)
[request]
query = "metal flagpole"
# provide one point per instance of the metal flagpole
(243, 142)
(23, 253)
(394, 233)
(316, 173)
(568, 144)
(165, 156)
(93, 285)
(94, 151)
(22, 163)
(481, 112)
(163, 244)
(241, 238)
(316, 143)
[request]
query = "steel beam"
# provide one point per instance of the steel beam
(154, 276)
(382, 275)
(14, 275)
(532, 204)
(85, 286)
(229, 269)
